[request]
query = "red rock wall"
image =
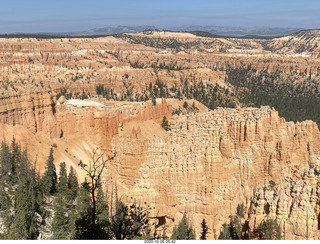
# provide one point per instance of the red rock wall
(206, 165)
(32, 110)
(209, 163)
(39, 113)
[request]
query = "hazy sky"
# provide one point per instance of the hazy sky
(79, 15)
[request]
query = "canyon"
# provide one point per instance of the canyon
(208, 162)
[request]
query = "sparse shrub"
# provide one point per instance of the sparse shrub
(185, 105)
(240, 210)
(269, 230)
(272, 184)
(165, 123)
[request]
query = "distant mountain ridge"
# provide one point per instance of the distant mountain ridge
(217, 30)
(240, 31)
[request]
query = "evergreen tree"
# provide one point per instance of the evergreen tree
(33, 231)
(225, 235)
(233, 231)
(49, 179)
(71, 226)
(94, 171)
(63, 180)
(6, 170)
(235, 227)
(84, 227)
(129, 222)
(19, 201)
(19, 228)
(5, 206)
(165, 123)
(23, 226)
(185, 105)
(84, 211)
(73, 184)
(14, 160)
(184, 231)
(60, 219)
(102, 209)
(204, 230)
(174, 235)
(24, 174)
(269, 230)
(5, 184)
(84, 202)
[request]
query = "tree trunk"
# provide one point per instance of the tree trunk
(93, 211)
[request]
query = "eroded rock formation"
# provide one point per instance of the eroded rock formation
(293, 202)
(208, 163)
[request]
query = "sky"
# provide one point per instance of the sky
(30, 16)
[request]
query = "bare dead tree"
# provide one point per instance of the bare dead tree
(94, 171)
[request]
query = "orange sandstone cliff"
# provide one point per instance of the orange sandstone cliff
(206, 165)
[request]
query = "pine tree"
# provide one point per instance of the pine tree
(233, 230)
(174, 235)
(49, 179)
(102, 209)
(5, 164)
(5, 207)
(235, 227)
(23, 214)
(165, 123)
(94, 171)
(225, 235)
(33, 231)
(60, 219)
(84, 212)
(204, 230)
(72, 222)
(23, 226)
(84, 227)
(5, 184)
(102, 226)
(129, 222)
(184, 231)
(63, 180)
(19, 228)
(14, 160)
(23, 171)
(20, 223)
(73, 184)
(269, 230)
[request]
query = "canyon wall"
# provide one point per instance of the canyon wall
(293, 202)
(31, 110)
(209, 163)
(38, 112)
(206, 165)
